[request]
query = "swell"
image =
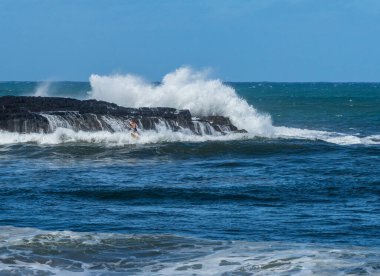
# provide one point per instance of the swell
(286, 194)
(230, 150)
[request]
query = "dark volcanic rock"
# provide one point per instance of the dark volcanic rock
(218, 122)
(45, 114)
(14, 104)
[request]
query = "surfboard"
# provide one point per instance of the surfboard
(135, 135)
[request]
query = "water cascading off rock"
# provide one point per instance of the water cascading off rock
(45, 114)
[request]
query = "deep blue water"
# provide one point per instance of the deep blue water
(288, 194)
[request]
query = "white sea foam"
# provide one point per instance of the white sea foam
(64, 135)
(193, 90)
(327, 136)
(183, 89)
(35, 252)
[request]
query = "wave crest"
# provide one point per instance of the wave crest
(30, 251)
(184, 88)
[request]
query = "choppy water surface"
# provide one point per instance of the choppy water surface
(303, 200)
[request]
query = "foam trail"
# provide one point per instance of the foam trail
(163, 134)
(42, 89)
(183, 89)
(65, 135)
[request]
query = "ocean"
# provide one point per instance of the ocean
(299, 194)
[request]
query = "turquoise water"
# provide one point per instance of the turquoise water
(306, 202)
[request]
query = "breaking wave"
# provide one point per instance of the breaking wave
(65, 135)
(28, 251)
(183, 89)
(188, 89)
(327, 136)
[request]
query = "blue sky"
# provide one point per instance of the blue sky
(240, 40)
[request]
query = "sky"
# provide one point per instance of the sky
(238, 40)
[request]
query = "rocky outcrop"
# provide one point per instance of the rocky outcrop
(45, 114)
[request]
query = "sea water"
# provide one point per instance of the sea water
(299, 194)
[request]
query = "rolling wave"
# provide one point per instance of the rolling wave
(183, 89)
(66, 136)
(193, 90)
(30, 251)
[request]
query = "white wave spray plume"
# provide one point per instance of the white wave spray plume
(184, 88)
(181, 89)
(42, 89)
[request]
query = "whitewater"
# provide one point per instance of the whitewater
(193, 255)
(185, 88)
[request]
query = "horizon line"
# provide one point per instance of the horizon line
(80, 81)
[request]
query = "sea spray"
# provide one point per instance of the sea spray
(184, 88)
(42, 90)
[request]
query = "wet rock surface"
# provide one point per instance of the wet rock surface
(44, 114)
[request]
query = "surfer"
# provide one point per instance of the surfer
(133, 127)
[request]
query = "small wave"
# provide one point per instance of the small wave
(37, 252)
(327, 136)
(64, 135)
